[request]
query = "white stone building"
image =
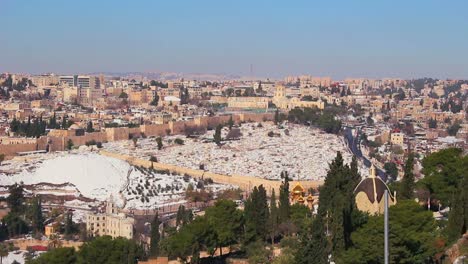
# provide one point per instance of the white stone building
(111, 223)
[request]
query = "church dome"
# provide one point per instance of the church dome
(370, 194)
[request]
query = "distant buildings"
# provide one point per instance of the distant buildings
(283, 102)
(81, 81)
(248, 102)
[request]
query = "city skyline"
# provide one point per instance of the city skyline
(336, 39)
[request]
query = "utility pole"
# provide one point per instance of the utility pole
(386, 226)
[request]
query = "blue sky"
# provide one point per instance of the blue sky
(361, 38)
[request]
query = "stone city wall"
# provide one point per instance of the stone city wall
(11, 150)
(58, 142)
(81, 140)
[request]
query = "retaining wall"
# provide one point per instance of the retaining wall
(246, 183)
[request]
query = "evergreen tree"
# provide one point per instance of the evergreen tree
(65, 255)
(53, 122)
(64, 122)
(226, 223)
(355, 177)
(37, 220)
(89, 127)
(277, 118)
(68, 226)
(313, 248)
(180, 215)
(432, 123)
(230, 122)
(273, 220)
(284, 208)
(155, 100)
(155, 236)
(16, 198)
(337, 202)
(458, 216)
(217, 135)
(256, 215)
(159, 142)
(69, 144)
(407, 183)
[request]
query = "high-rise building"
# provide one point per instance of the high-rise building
(69, 80)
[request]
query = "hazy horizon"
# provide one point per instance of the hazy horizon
(404, 39)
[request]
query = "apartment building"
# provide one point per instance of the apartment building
(81, 81)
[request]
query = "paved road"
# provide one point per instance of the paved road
(353, 144)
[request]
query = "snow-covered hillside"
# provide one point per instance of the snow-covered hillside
(97, 177)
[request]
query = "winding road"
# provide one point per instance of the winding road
(353, 145)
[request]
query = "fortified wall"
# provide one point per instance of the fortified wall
(57, 140)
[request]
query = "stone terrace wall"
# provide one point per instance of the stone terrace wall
(246, 183)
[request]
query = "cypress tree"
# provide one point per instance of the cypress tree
(250, 215)
(458, 216)
(89, 127)
(159, 142)
(273, 218)
(230, 122)
(68, 224)
(217, 135)
(155, 236)
(64, 122)
(284, 204)
(180, 215)
(264, 212)
(16, 198)
(277, 119)
(37, 220)
(456, 219)
(256, 215)
(407, 183)
(337, 202)
(53, 122)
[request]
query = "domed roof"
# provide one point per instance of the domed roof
(373, 187)
(298, 189)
